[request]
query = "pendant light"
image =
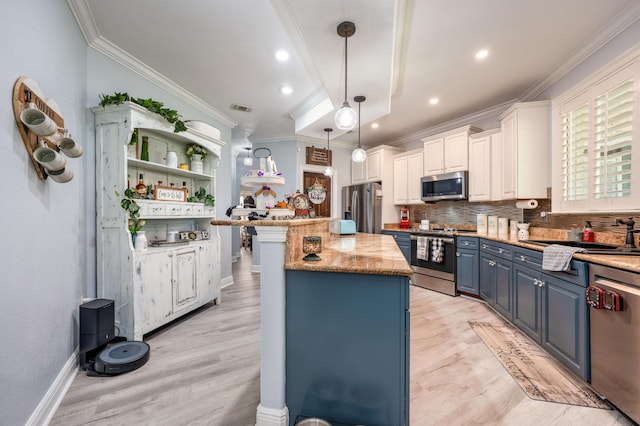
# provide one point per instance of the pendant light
(359, 155)
(346, 117)
(248, 161)
(328, 171)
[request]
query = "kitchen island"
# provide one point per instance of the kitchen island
(337, 329)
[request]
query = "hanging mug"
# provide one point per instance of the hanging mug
(37, 121)
(49, 158)
(69, 147)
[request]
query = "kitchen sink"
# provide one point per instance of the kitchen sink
(592, 248)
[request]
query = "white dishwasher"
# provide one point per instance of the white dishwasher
(614, 299)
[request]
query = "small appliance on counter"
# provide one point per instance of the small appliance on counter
(343, 227)
(404, 218)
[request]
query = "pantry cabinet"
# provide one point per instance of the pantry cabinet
(448, 151)
(525, 140)
(170, 278)
(407, 171)
(485, 161)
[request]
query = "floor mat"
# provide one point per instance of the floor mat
(538, 374)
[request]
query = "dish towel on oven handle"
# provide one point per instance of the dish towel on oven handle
(437, 251)
(422, 248)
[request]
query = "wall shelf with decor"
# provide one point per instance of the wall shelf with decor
(179, 271)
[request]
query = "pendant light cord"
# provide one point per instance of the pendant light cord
(359, 120)
(346, 67)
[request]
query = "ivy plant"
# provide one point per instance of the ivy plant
(128, 203)
(171, 115)
(201, 196)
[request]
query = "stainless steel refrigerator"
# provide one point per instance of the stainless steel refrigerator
(363, 204)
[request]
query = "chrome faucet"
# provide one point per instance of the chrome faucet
(630, 240)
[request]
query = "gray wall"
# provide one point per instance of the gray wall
(47, 228)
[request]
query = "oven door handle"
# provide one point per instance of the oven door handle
(444, 240)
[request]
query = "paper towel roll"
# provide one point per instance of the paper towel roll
(527, 204)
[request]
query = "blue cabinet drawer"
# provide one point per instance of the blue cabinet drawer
(527, 257)
(467, 243)
(503, 251)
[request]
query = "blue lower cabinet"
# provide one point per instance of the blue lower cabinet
(565, 332)
(467, 265)
(496, 276)
(553, 311)
(347, 347)
(404, 242)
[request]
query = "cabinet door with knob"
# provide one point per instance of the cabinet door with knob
(467, 265)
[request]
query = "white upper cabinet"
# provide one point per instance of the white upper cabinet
(485, 160)
(447, 152)
(373, 168)
(525, 136)
(407, 171)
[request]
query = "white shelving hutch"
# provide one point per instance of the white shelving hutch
(168, 280)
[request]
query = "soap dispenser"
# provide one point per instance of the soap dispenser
(587, 233)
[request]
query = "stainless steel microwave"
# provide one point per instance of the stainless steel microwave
(445, 186)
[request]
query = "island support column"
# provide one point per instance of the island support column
(272, 410)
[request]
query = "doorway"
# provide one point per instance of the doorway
(323, 209)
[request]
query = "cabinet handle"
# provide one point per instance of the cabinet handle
(536, 282)
(484, 246)
(541, 284)
(492, 263)
(457, 254)
(500, 250)
(523, 257)
(465, 243)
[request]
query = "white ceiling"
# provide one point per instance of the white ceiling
(403, 53)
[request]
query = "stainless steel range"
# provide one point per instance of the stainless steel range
(433, 260)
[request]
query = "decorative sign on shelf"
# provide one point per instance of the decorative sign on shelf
(165, 193)
(318, 156)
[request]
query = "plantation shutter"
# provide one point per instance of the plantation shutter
(575, 153)
(613, 129)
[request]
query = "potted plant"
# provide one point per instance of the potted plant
(196, 154)
(195, 149)
(201, 196)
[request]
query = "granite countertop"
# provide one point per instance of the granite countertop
(372, 254)
(628, 263)
(271, 222)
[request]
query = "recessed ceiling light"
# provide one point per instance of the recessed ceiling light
(374, 125)
(434, 101)
(481, 54)
(286, 90)
(282, 55)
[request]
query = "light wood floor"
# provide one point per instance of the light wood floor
(204, 370)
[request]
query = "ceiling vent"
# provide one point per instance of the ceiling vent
(242, 108)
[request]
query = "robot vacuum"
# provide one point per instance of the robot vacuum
(120, 358)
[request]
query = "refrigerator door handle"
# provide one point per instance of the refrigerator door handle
(354, 208)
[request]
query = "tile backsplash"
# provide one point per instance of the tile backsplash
(464, 213)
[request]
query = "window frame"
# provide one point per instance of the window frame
(622, 69)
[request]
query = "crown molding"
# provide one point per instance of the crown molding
(613, 28)
(86, 22)
(493, 111)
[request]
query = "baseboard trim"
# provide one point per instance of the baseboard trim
(255, 269)
(272, 416)
(53, 398)
(226, 281)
